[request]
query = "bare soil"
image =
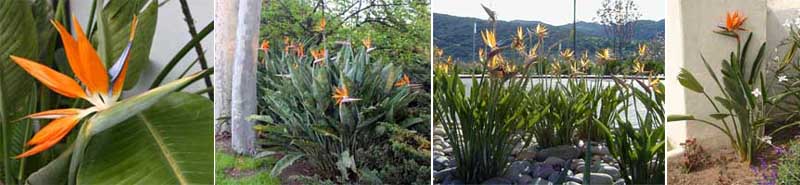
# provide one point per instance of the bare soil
(723, 169)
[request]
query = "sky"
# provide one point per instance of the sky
(555, 12)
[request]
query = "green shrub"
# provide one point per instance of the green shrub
(789, 164)
(405, 160)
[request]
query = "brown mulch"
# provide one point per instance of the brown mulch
(731, 171)
(722, 170)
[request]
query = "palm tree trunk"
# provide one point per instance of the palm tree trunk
(225, 14)
(243, 96)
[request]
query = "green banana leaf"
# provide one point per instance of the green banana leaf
(18, 35)
(169, 143)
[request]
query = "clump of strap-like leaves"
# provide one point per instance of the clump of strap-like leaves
(327, 108)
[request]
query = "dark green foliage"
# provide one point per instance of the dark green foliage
(404, 160)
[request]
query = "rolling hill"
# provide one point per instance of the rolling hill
(455, 35)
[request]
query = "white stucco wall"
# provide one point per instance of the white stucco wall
(674, 54)
(172, 34)
(689, 33)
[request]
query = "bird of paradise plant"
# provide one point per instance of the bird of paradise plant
(740, 111)
(482, 125)
(328, 114)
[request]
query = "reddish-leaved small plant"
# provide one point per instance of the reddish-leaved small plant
(694, 157)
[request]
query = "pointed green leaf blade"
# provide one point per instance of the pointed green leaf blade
(169, 143)
(286, 161)
(687, 80)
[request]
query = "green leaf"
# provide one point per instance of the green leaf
(325, 131)
(129, 107)
(169, 143)
(756, 68)
(725, 102)
(411, 122)
(18, 36)
(719, 116)
(262, 118)
(114, 33)
(286, 161)
(346, 164)
(54, 172)
(676, 117)
(687, 80)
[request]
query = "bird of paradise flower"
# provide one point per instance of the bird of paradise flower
(102, 88)
(342, 95)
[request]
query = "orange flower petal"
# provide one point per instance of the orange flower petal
(94, 74)
(54, 114)
(265, 45)
(70, 48)
(55, 130)
(120, 79)
(60, 83)
(39, 148)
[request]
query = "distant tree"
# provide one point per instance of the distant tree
(619, 18)
(399, 29)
